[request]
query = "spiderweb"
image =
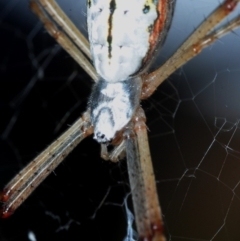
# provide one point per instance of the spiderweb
(193, 121)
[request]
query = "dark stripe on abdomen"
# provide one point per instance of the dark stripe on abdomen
(112, 8)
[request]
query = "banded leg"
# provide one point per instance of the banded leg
(198, 40)
(66, 25)
(20, 187)
(62, 38)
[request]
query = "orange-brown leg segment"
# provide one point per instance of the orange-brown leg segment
(198, 40)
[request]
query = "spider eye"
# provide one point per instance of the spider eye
(101, 138)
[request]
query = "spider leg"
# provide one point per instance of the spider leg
(61, 37)
(118, 152)
(142, 181)
(20, 187)
(67, 25)
(198, 40)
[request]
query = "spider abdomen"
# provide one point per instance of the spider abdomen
(120, 33)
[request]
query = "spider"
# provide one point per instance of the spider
(130, 138)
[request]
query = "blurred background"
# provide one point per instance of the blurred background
(193, 121)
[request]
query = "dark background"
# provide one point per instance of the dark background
(193, 129)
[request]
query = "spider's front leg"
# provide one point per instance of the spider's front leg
(142, 180)
(132, 141)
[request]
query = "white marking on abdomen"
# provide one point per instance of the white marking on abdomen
(119, 35)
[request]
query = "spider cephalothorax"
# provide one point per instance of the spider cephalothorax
(112, 106)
